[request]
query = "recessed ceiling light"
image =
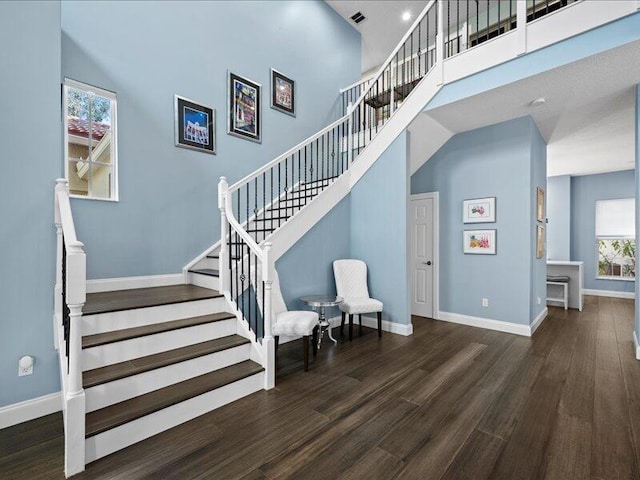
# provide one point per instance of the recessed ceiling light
(406, 16)
(538, 102)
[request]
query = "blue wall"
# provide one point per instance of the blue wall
(559, 217)
(167, 212)
(637, 195)
(538, 265)
(370, 224)
(30, 147)
(490, 161)
(585, 190)
(307, 268)
(379, 229)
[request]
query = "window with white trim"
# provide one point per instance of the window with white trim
(90, 141)
(615, 237)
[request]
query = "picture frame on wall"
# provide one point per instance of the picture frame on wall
(195, 125)
(480, 242)
(283, 93)
(244, 115)
(539, 241)
(479, 210)
(540, 204)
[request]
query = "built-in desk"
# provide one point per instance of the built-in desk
(573, 270)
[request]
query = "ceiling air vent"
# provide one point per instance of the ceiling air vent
(357, 17)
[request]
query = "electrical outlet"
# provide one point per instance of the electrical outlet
(485, 302)
(25, 366)
(539, 300)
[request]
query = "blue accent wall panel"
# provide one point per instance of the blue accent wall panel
(585, 191)
(538, 265)
(307, 268)
(559, 216)
(146, 53)
(486, 162)
(379, 229)
(30, 148)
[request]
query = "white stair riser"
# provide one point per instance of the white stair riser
(205, 281)
(206, 262)
(103, 355)
(138, 317)
(123, 389)
(118, 438)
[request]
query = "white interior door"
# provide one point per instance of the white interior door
(422, 261)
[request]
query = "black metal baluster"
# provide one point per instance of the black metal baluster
(264, 200)
(311, 165)
(279, 194)
(300, 187)
(448, 44)
(286, 188)
(248, 290)
(488, 9)
(272, 199)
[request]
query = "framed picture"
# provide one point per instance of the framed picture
(479, 210)
(283, 93)
(244, 108)
(480, 242)
(195, 125)
(540, 205)
(540, 242)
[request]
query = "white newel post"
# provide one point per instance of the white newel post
(75, 413)
(61, 186)
(268, 341)
(521, 27)
(440, 43)
(223, 189)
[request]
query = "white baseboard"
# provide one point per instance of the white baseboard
(128, 283)
(370, 322)
(30, 409)
(637, 344)
(609, 293)
(539, 319)
(498, 325)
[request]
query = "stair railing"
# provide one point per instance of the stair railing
(70, 296)
(257, 205)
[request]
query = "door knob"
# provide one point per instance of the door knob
(427, 263)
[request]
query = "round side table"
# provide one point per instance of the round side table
(320, 302)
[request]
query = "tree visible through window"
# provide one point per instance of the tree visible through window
(615, 236)
(90, 141)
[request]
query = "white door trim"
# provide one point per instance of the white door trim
(435, 196)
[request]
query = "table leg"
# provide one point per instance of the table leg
(325, 326)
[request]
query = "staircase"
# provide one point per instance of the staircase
(140, 361)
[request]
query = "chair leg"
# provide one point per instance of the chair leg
(379, 324)
(314, 339)
(350, 327)
(305, 346)
(360, 323)
(342, 323)
(277, 340)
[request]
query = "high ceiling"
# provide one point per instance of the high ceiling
(587, 121)
(383, 27)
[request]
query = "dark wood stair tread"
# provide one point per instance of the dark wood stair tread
(211, 272)
(115, 415)
(118, 300)
(98, 376)
(135, 332)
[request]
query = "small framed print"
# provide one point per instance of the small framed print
(195, 125)
(244, 108)
(540, 242)
(540, 205)
(479, 210)
(283, 93)
(480, 242)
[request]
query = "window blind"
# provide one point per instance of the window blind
(616, 218)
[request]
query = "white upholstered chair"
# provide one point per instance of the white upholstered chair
(351, 285)
(293, 324)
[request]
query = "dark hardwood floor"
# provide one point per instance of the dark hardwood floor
(450, 402)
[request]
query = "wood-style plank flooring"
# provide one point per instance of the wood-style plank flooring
(450, 402)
